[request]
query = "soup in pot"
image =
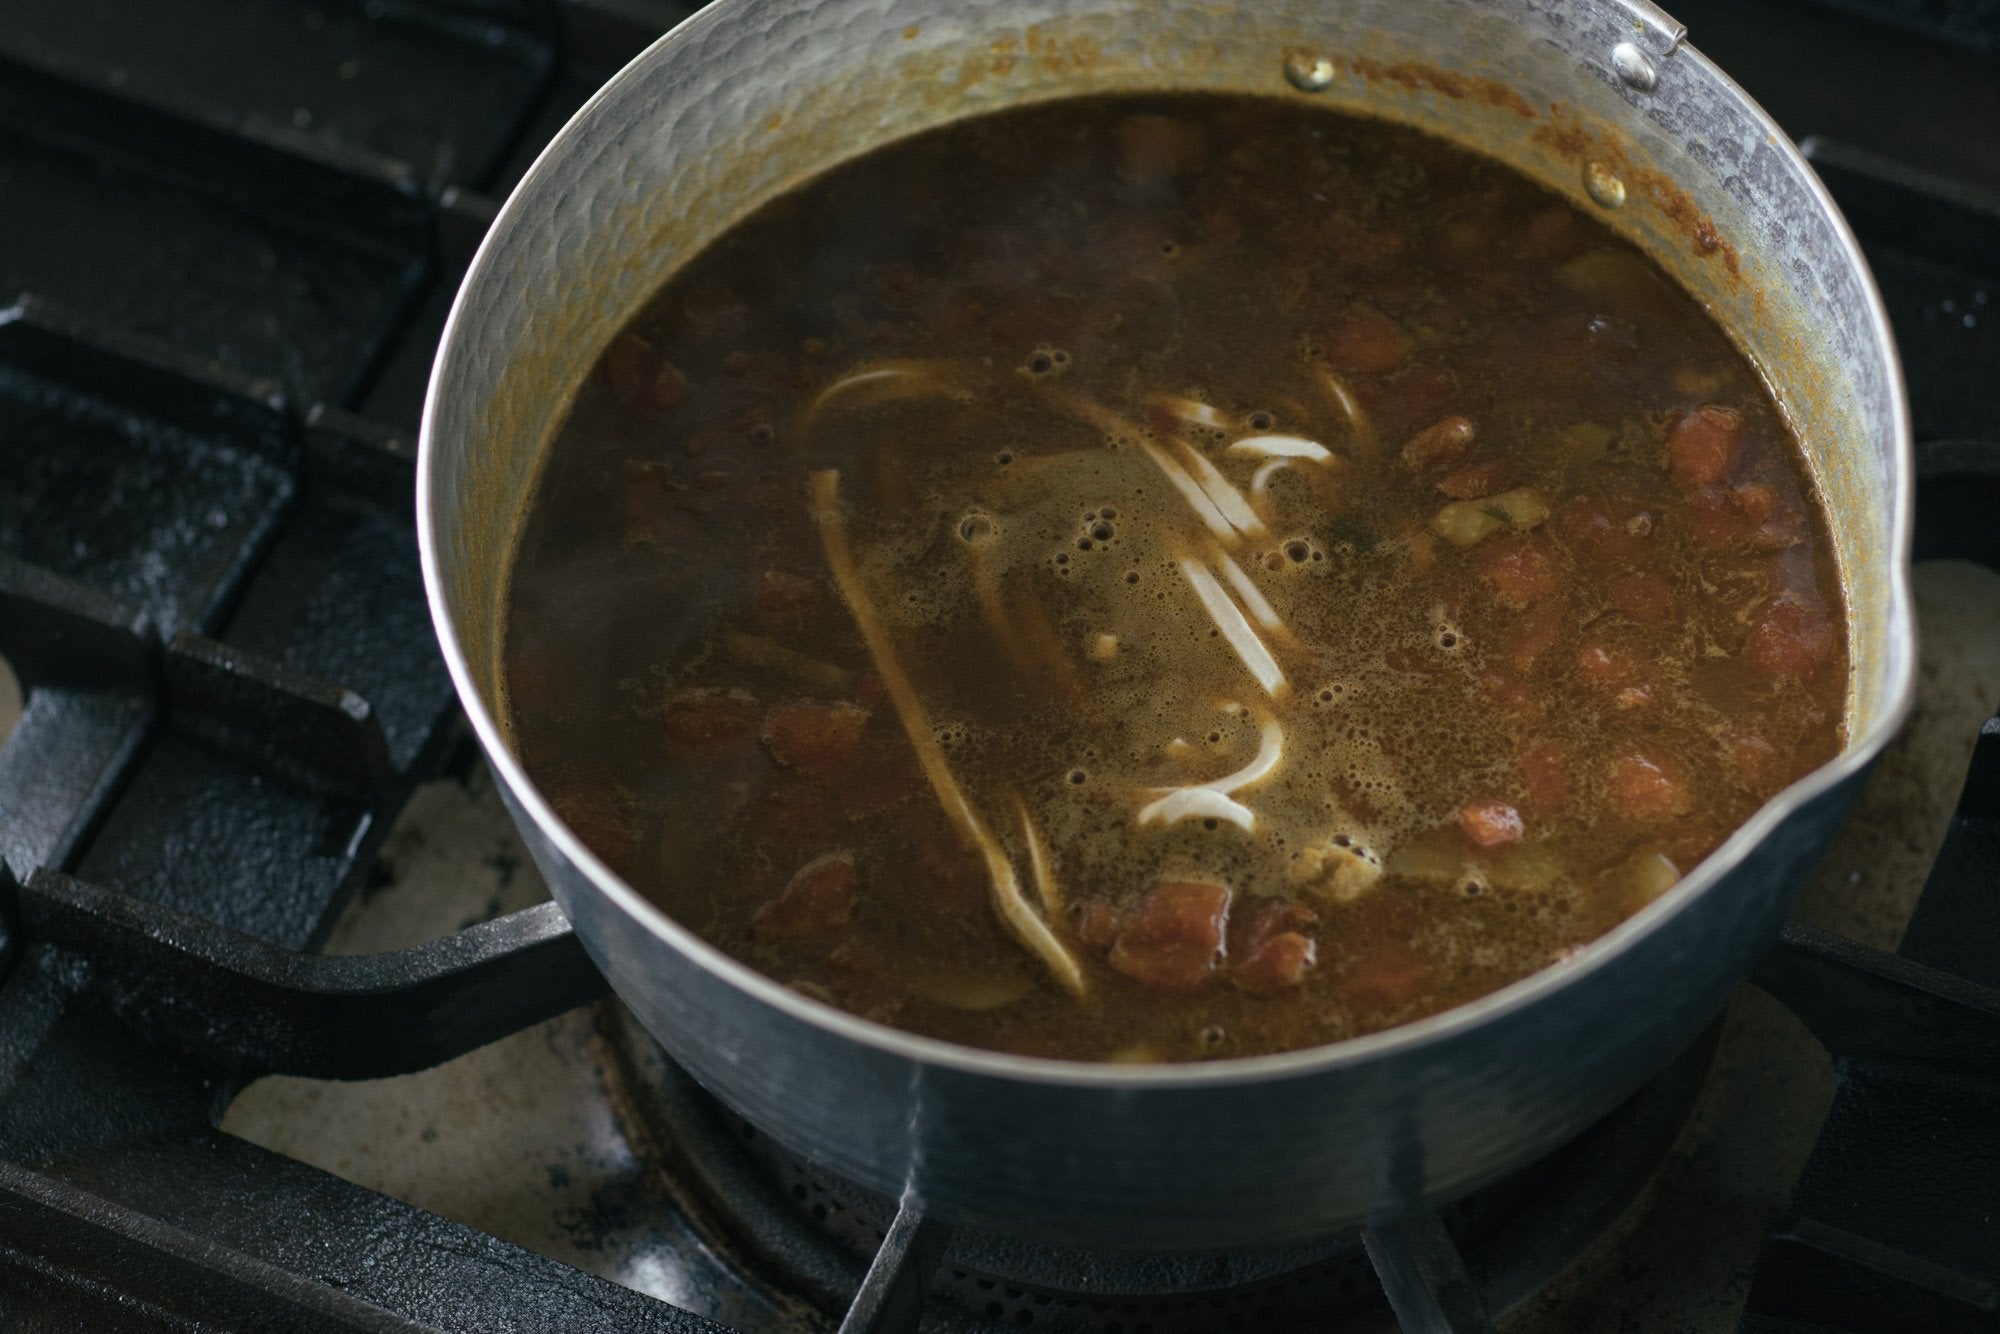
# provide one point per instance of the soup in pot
(1161, 578)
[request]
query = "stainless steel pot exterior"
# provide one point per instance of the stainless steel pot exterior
(748, 98)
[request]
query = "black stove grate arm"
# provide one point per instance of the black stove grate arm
(891, 1297)
(159, 1266)
(1863, 1003)
(1424, 1276)
(1815, 1272)
(247, 1008)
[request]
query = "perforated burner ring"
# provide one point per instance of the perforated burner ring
(811, 1234)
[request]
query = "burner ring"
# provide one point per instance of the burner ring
(808, 1233)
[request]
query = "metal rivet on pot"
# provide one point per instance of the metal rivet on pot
(1603, 185)
(1634, 67)
(1307, 72)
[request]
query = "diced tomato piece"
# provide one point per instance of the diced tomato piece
(1544, 771)
(1715, 523)
(1788, 639)
(641, 376)
(1276, 963)
(1172, 937)
(1752, 758)
(784, 596)
(815, 738)
(597, 819)
(1489, 824)
(711, 720)
(1645, 790)
(1602, 529)
(816, 903)
(1388, 979)
(1532, 634)
(1754, 500)
(1263, 917)
(1701, 447)
(1606, 664)
(1481, 479)
(1366, 340)
(1519, 570)
(1645, 597)
(1441, 442)
(1420, 393)
(1618, 670)
(1751, 515)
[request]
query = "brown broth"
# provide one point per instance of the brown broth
(1556, 613)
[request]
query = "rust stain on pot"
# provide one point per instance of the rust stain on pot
(1002, 56)
(1413, 76)
(1566, 135)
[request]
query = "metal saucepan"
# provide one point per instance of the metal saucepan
(747, 99)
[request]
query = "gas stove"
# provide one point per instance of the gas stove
(290, 1036)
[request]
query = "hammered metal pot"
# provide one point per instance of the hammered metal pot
(747, 99)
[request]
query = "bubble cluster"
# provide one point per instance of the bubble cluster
(1046, 361)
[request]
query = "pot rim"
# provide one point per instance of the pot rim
(1605, 951)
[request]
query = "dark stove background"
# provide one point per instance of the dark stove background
(235, 227)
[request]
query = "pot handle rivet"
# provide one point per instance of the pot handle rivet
(1308, 72)
(1634, 66)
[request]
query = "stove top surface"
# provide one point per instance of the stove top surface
(258, 874)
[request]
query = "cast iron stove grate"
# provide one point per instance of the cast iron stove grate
(235, 227)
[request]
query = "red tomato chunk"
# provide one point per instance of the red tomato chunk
(1646, 598)
(1738, 517)
(1481, 479)
(1645, 790)
(1172, 937)
(1519, 570)
(817, 903)
(1273, 945)
(1701, 448)
(1278, 962)
(816, 739)
(1441, 442)
(1604, 529)
(1367, 340)
(1788, 640)
(1489, 824)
